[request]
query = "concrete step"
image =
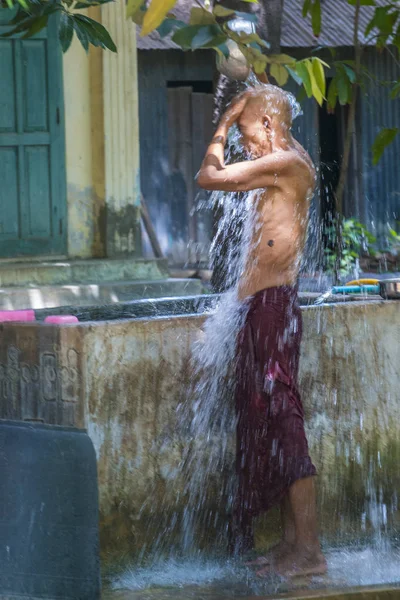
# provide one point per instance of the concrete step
(35, 273)
(50, 296)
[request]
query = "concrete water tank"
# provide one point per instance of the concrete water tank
(48, 513)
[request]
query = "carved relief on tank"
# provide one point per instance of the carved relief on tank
(70, 379)
(28, 391)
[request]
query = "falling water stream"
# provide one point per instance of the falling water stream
(207, 421)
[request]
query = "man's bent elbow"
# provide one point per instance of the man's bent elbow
(205, 181)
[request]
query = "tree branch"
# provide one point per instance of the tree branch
(352, 114)
(347, 145)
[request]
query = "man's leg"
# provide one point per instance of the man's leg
(288, 524)
(288, 540)
(305, 556)
(304, 510)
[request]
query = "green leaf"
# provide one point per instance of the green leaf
(155, 14)
(370, 26)
(96, 34)
(316, 17)
(255, 46)
(221, 11)
(132, 7)
(223, 50)
(319, 75)
(239, 37)
(385, 20)
(316, 92)
(24, 25)
(395, 91)
(19, 17)
(279, 73)
(199, 36)
(65, 31)
(281, 59)
(138, 17)
(259, 66)
(294, 75)
(351, 63)
(205, 35)
(23, 4)
(343, 87)
(201, 16)
(183, 37)
(302, 72)
(254, 37)
(255, 58)
(350, 73)
(382, 140)
(169, 25)
(306, 8)
(81, 33)
(10, 4)
(332, 94)
(362, 2)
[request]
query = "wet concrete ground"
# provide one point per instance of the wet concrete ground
(358, 574)
(370, 593)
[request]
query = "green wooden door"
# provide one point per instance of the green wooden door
(32, 155)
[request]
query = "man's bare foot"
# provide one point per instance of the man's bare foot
(277, 552)
(298, 563)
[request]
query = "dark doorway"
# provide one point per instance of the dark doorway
(190, 129)
(198, 87)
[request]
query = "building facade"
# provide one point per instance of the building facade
(69, 145)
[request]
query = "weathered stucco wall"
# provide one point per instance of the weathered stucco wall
(80, 194)
(350, 375)
(102, 142)
(126, 381)
(142, 376)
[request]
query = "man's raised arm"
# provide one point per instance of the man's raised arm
(243, 176)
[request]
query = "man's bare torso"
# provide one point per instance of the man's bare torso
(279, 229)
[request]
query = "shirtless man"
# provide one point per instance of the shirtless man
(273, 464)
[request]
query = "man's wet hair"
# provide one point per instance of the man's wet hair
(277, 102)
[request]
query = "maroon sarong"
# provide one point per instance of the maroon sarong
(272, 449)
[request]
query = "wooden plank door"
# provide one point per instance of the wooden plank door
(202, 133)
(32, 155)
(181, 173)
(189, 132)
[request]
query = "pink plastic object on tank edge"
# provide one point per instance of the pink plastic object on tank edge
(61, 319)
(17, 315)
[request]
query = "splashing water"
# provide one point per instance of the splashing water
(211, 414)
(215, 579)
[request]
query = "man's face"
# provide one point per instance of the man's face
(253, 124)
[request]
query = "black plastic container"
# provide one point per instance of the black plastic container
(48, 513)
